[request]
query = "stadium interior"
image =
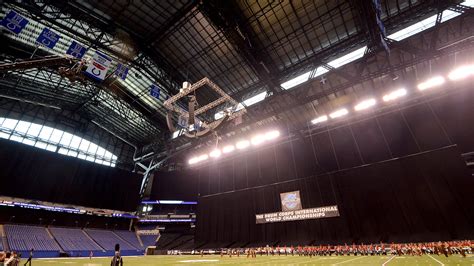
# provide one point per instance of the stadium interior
(224, 132)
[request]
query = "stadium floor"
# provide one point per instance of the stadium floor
(264, 260)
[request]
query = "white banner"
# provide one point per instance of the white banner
(98, 66)
(303, 214)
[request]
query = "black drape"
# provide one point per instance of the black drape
(32, 173)
(416, 198)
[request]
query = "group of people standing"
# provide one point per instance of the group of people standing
(412, 249)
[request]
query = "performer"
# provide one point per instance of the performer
(117, 259)
(30, 257)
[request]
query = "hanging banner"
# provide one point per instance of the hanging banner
(155, 91)
(98, 67)
(14, 22)
(121, 71)
(76, 50)
(48, 38)
(303, 214)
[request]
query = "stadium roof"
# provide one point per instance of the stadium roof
(252, 49)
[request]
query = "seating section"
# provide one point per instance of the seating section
(72, 239)
(148, 240)
(107, 239)
(24, 238)
(165, 240)
(175, 244)
(130, 237)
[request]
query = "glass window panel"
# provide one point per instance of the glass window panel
(16, 138)
(9, 123)
(51, 147)
(75, 142)
(81, 156)
(90, 158)
(72, 153)
(101, 151)
(22, 127)
(84, 145)
(41, 145)
(4, 135)
(45, 132)
(66, 139)
(112, 165)
(92, 148)
(1, 120)
(34, 130)
(29, 142)
(56, 135)
(63, 151)
(107, 155)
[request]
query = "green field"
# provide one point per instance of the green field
(264, 260)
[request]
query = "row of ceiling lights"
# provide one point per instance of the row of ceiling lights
(435, 81)
(455, 75)
(239, 145)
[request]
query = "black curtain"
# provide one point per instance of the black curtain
(32, 173)
(422, 197)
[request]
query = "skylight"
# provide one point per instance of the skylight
(398, 36)
(54, 140)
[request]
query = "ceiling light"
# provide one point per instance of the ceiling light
(461, 72)
(228, 148)
(319, 119)
(242, 144)
(430, 83)
(365, 104)
(203, 157)
(193, 160)
(272, 134)
(394, 95)
(258, 139)
(339, 113)
(215, 153)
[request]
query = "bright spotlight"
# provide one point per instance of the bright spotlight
(430, 83)
(272, 134)
(394, 95)
(461, 72)
(339, 113)
(258, 139)
(242, 144)
(193, 160)
(215, 153)
(320, 119)
(203, 157)
(228, 148)
(365, 104)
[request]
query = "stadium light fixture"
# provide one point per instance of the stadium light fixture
(394, 95)
(258, 139)
(203, 157)
(432, 82)
(193, 160)
(339, 113)
(320, 119)
(215, 153)
(242, 144)
(365, 104)
(228, 149)
(461, 72)
(270, 135)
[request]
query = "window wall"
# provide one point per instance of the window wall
(55, 140)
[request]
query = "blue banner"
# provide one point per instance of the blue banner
(76, 50)
(48, 38)
(122, 71)
(14, 22)
(155, 91)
